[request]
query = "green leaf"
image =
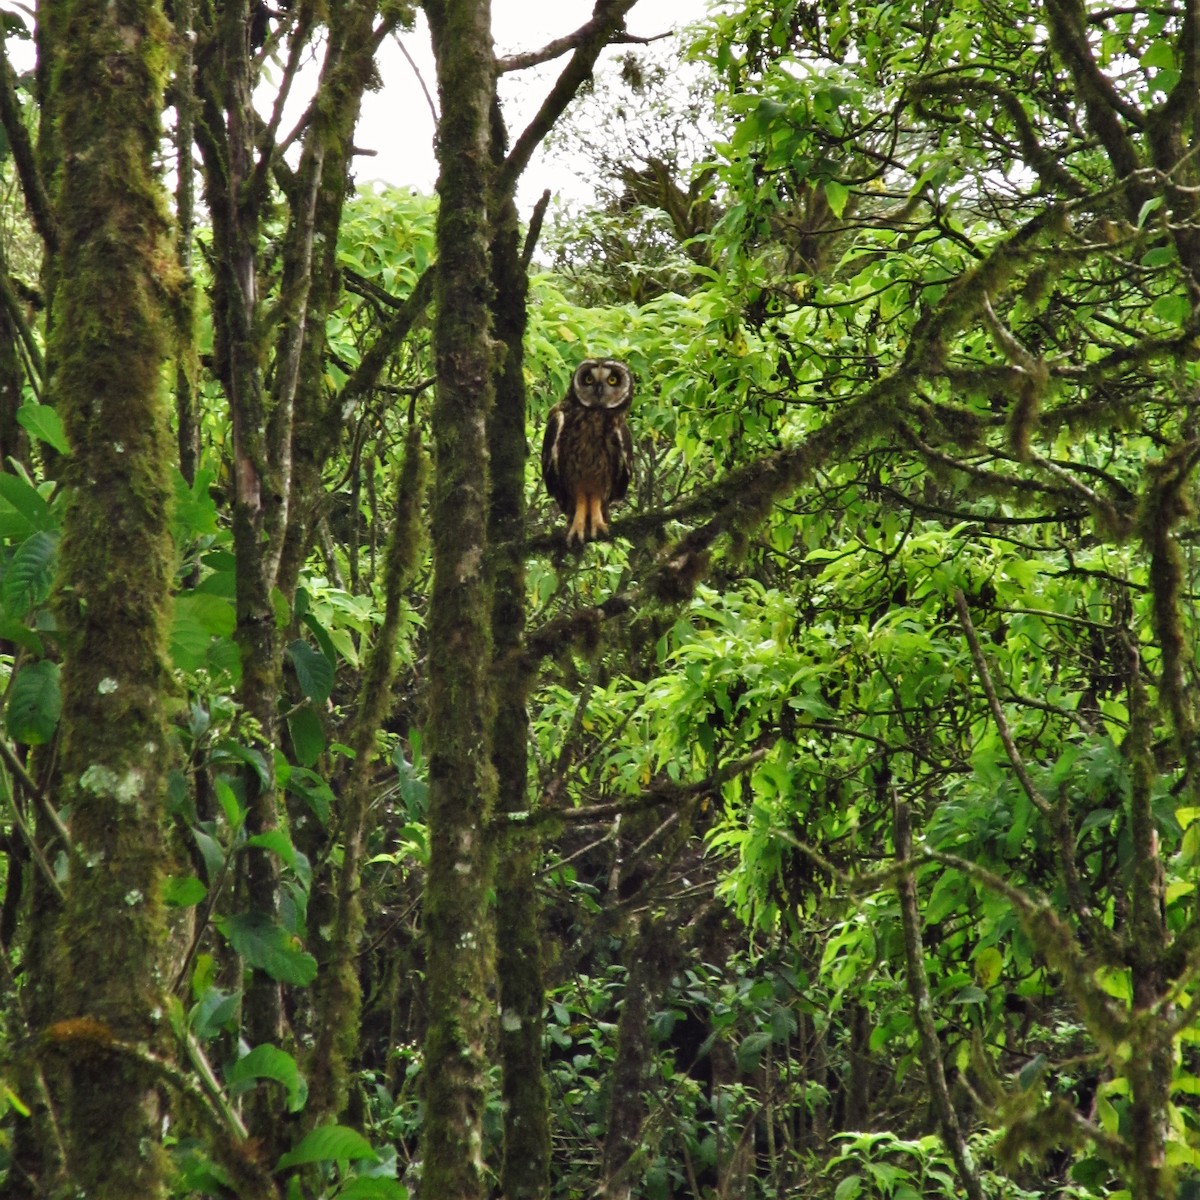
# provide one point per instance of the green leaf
(1160, 55)
(751, 1049)
(213, 1012)
(308, 735)
(1151, 205)
(311, 788)
(314, 672)
(195, 511)
(970, 995)
(367, 1187)
(43, 422)
(25, 499)
(13, 630)
(34, 704)
(849, 1188)
(1032, 1072)
(329, 1143)
(267, 946)
(199, 617)
(182, 891)
(280, 843)
(269, 1062)
(836, 194)
(30, 573)
(1174, 308)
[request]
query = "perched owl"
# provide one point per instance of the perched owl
(587, 453)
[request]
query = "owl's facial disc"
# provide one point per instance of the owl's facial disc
(601, 383)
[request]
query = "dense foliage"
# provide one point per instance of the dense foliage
(851, 847)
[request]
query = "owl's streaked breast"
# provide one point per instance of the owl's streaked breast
(589, 449)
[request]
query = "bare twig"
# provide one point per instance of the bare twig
(420, 78)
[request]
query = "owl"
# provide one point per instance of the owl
(587, 453)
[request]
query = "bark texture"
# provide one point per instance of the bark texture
(109, 349)
(462, 785)
(525, 1171)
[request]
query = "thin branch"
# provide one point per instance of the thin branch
(922, 1001)
(38, 796)
(37, 199)
(420, 78)
(376, 355)
(535, 229)
(652, 797)
(985, 678)
(570, 41)
(34, 849)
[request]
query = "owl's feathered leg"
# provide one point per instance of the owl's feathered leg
(577, 531)
(596, 517)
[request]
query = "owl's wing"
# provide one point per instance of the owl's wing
(550, 445)
(623, 465)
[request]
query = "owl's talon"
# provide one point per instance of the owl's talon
(596, 517)
(579, 522)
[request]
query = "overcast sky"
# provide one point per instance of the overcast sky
(397, 122)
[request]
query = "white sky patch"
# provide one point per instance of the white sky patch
(397, 122)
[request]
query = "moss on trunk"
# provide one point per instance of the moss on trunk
(525, 1171)
(462, 784)
(109, 347)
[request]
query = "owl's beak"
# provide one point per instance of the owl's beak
(598, 388)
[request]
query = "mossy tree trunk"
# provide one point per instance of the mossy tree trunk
(462, 788)
(236, 192)
(525, 1171)
(316, 412)
(110, 343)
(651, 954)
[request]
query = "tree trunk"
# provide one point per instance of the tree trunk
(110, 339)
(462, 785)
(525, 1172)
(650, 957)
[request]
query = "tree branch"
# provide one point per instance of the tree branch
(36, 197)
(608, 18)
(571, 41)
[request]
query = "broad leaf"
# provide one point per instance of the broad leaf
(329, 1143)
(43, 422)
(34, 704)
(314, 672)
(269, 1062)
(269, 947)
(30, 573)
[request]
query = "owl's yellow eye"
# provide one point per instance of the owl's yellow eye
(588, 377)
(612, 380)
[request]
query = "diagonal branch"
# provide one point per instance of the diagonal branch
(1106, 108)
(36, 197)
(608, 20)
